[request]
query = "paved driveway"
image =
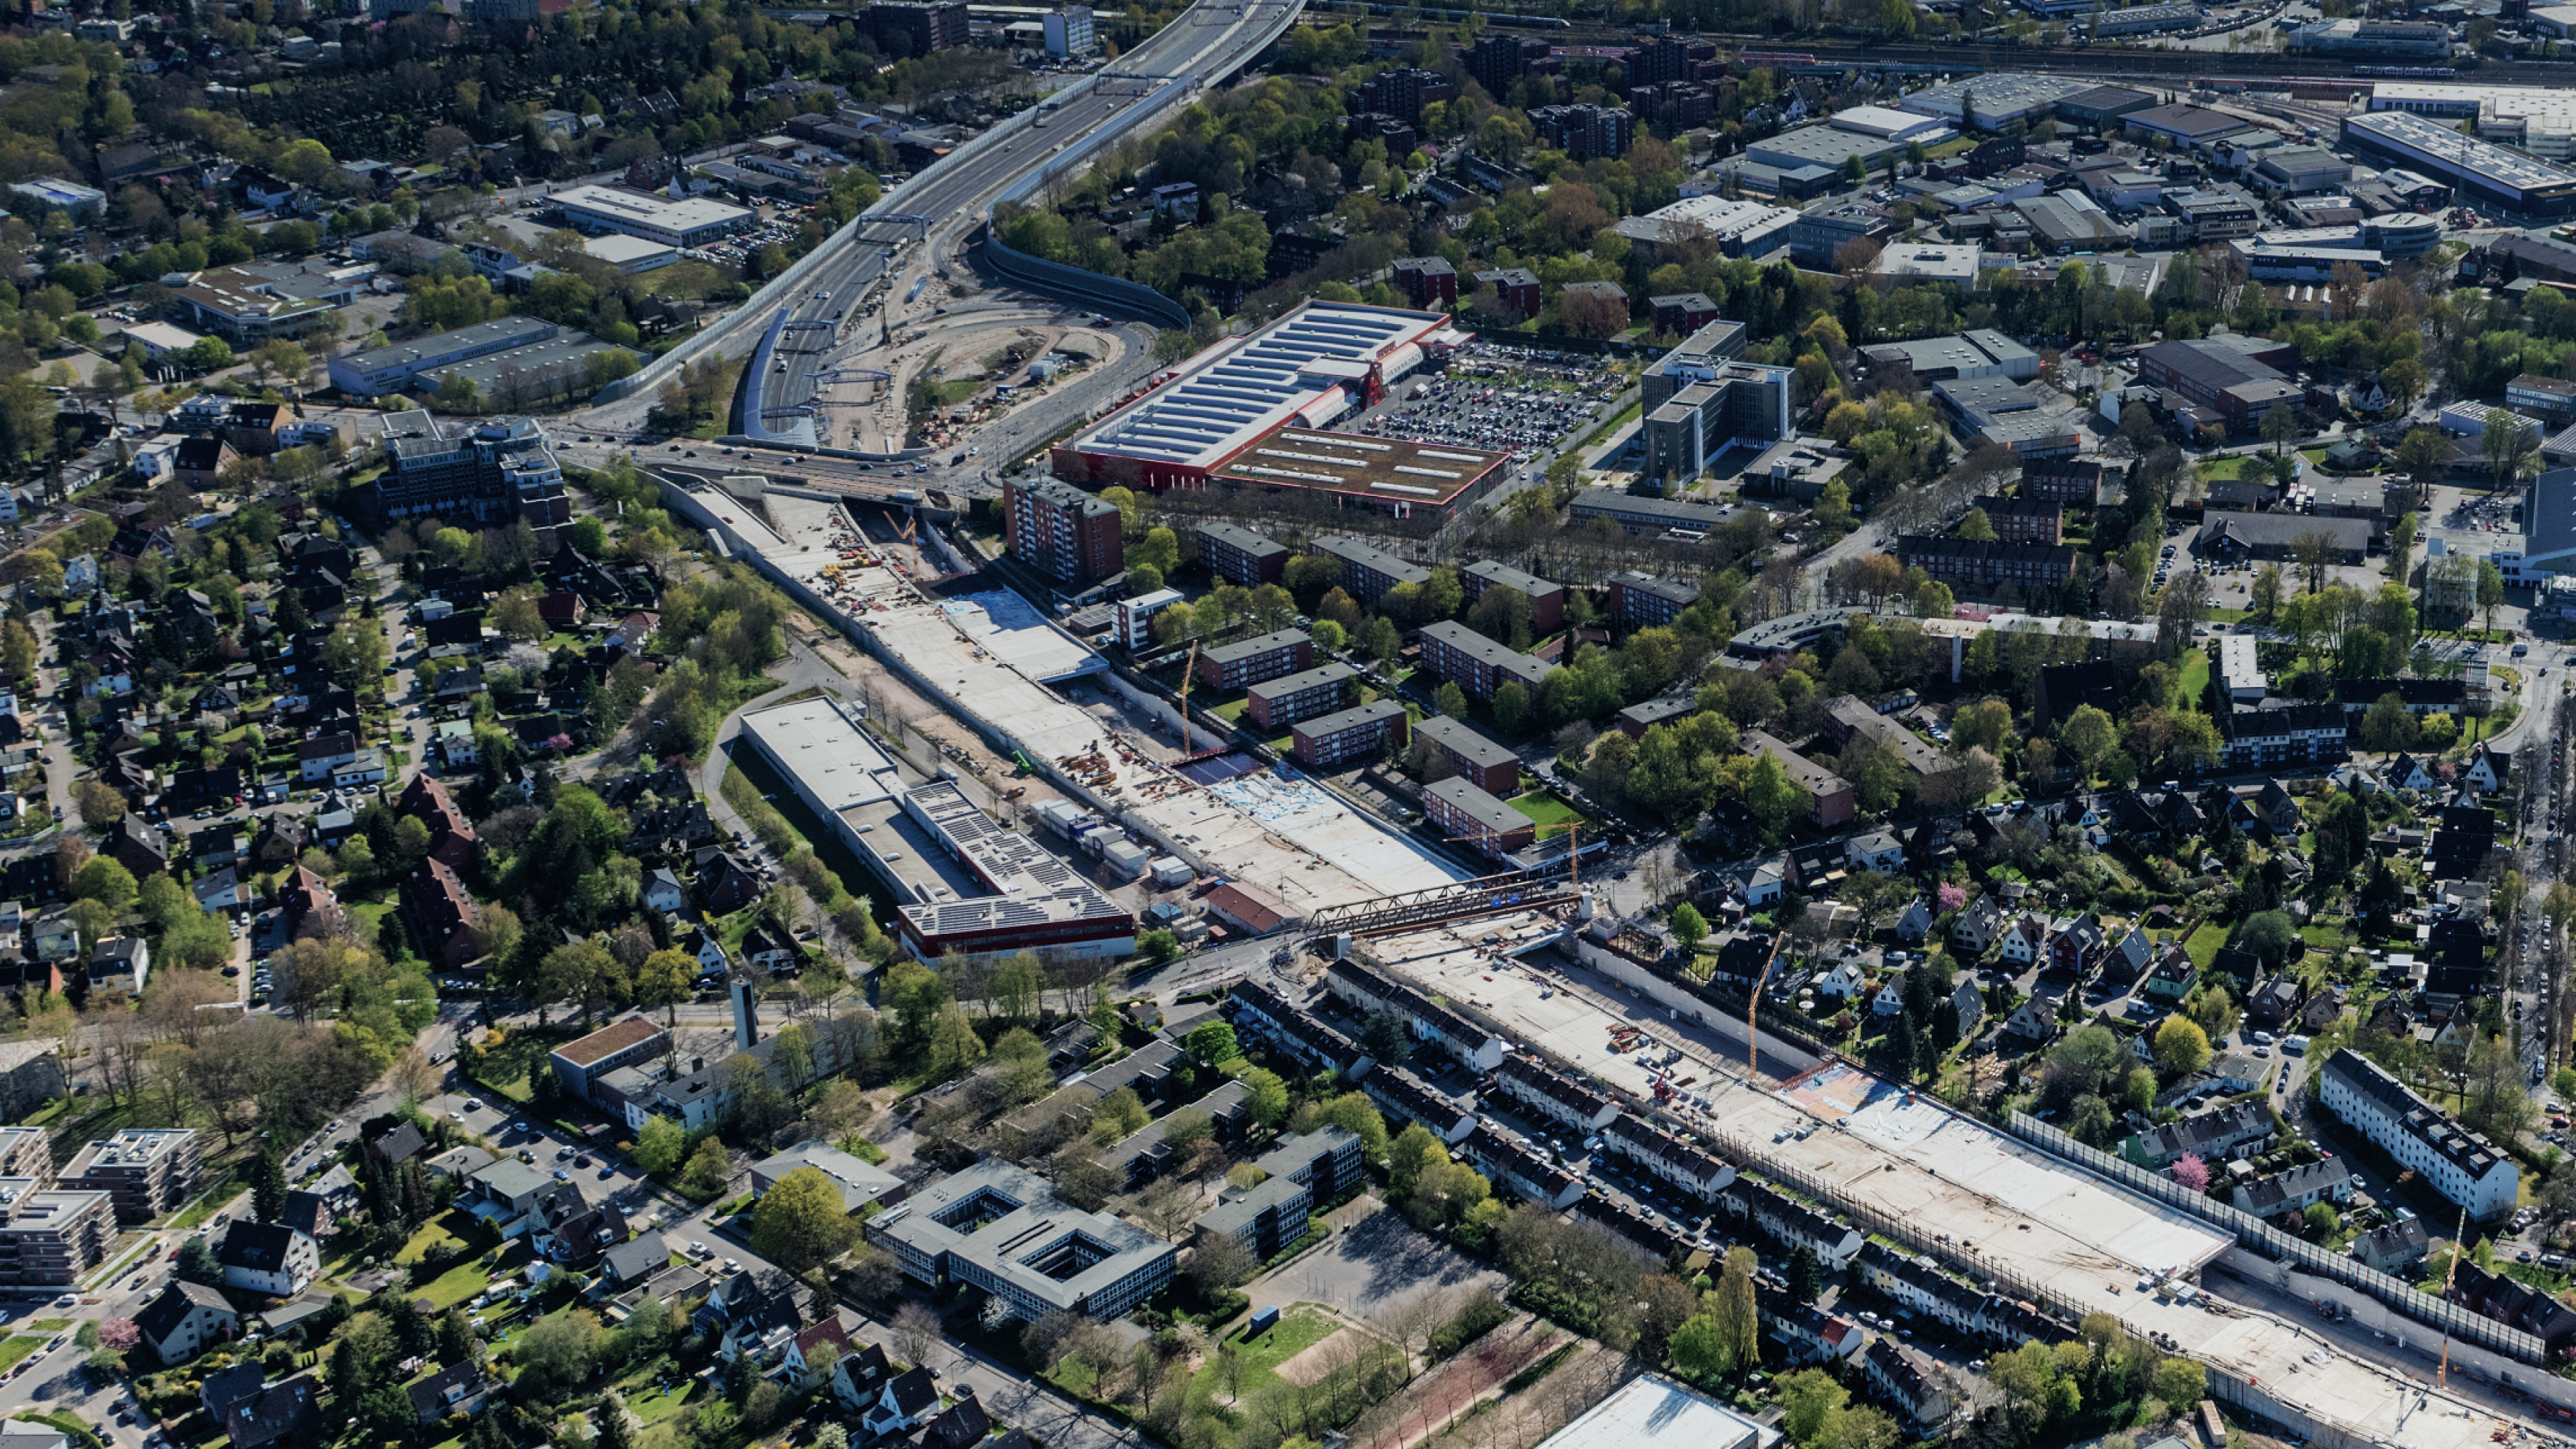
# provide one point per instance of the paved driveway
(1374, 1259)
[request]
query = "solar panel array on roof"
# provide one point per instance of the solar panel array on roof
(1204, 415)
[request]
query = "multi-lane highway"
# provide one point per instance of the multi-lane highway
(1207, 42)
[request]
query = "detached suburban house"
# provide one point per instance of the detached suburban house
(185, 1320)
(269, 1258)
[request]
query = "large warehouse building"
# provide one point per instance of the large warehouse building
(687, 223)
(2482, 169)
(1250, 412)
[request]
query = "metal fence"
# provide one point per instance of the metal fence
(2453, 1318)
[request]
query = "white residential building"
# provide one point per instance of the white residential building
(2460, 1164)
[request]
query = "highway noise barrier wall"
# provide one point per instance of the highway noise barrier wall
(2439, 1313)
(1077, 284)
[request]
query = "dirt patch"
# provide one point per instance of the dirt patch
(1437, 1398)
(1308, 1365)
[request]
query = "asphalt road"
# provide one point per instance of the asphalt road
(1205, 43)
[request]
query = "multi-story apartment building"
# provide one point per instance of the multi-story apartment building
(1830, 798)
(1070, 536)
(1641, 600)
(147, 1171)
(1358, 733)
(1586, 133)
(24, 1153)
(1322, 690)
(1368, 573)
(1546, 596)
(1250, 661)
(2062, 480)
(1496, 61)
(1427, 281)
(2461, 1165)
(1473, 756)
(2024, 520)
(1517, 288)
(1471, 817)
(1987, 565)
(1301, 1172)
(52, 1236)
(1403, 91)
(1241, 555)
(1476, 664)
(2291, 734)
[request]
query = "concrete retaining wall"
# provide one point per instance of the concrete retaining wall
(1091, 288)
(2410, 1336)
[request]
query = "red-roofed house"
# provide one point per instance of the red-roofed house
(442, 914)
(451, 835)
(798, 1359)
(562, 609)
(312, 907)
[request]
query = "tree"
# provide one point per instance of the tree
(2269, 935)
(2088, 735)
(1806, 1275)
(556, 1352)
(915, 1332)
(1976, 527)
(659, 1144)
(710, 1169)
(268, 1187)
(1211, 1042)
(1265, 1096)
(801, 1223)
(2182, 1048)
(2280, 428)
(99, 803)
(1219, 1263)
(197, 1263)
(2267, 593)
(1689, 928)
(1807, 1399)
(2507, 445)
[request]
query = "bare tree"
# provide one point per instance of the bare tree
(916, 1332)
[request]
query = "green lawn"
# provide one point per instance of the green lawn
(1553, 814)
(2195, 677)
(2217, 468)
(49, 1325)
(14, 1351)
(2205, 944)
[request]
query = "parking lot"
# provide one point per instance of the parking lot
(1501, 405)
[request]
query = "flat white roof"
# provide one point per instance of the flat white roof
(834, 758)
(1241, 388)
(1884, 121)
(617, 247)
(2435, 144)
(1652, 1410)
(682, 215)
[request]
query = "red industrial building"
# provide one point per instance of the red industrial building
(1251, 413)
